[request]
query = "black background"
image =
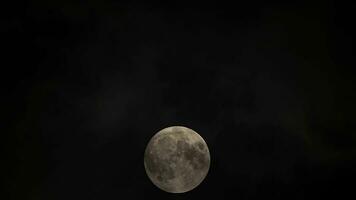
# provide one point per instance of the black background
(269, 85)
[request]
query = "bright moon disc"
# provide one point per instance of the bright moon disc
(177, 159)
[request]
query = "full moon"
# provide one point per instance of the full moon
(177, 159)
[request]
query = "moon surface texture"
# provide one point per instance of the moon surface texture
(177, 159)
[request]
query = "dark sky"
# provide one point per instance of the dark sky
(269, 85)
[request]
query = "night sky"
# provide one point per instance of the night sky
(270, 86)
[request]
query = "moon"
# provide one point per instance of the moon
(177, 159)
